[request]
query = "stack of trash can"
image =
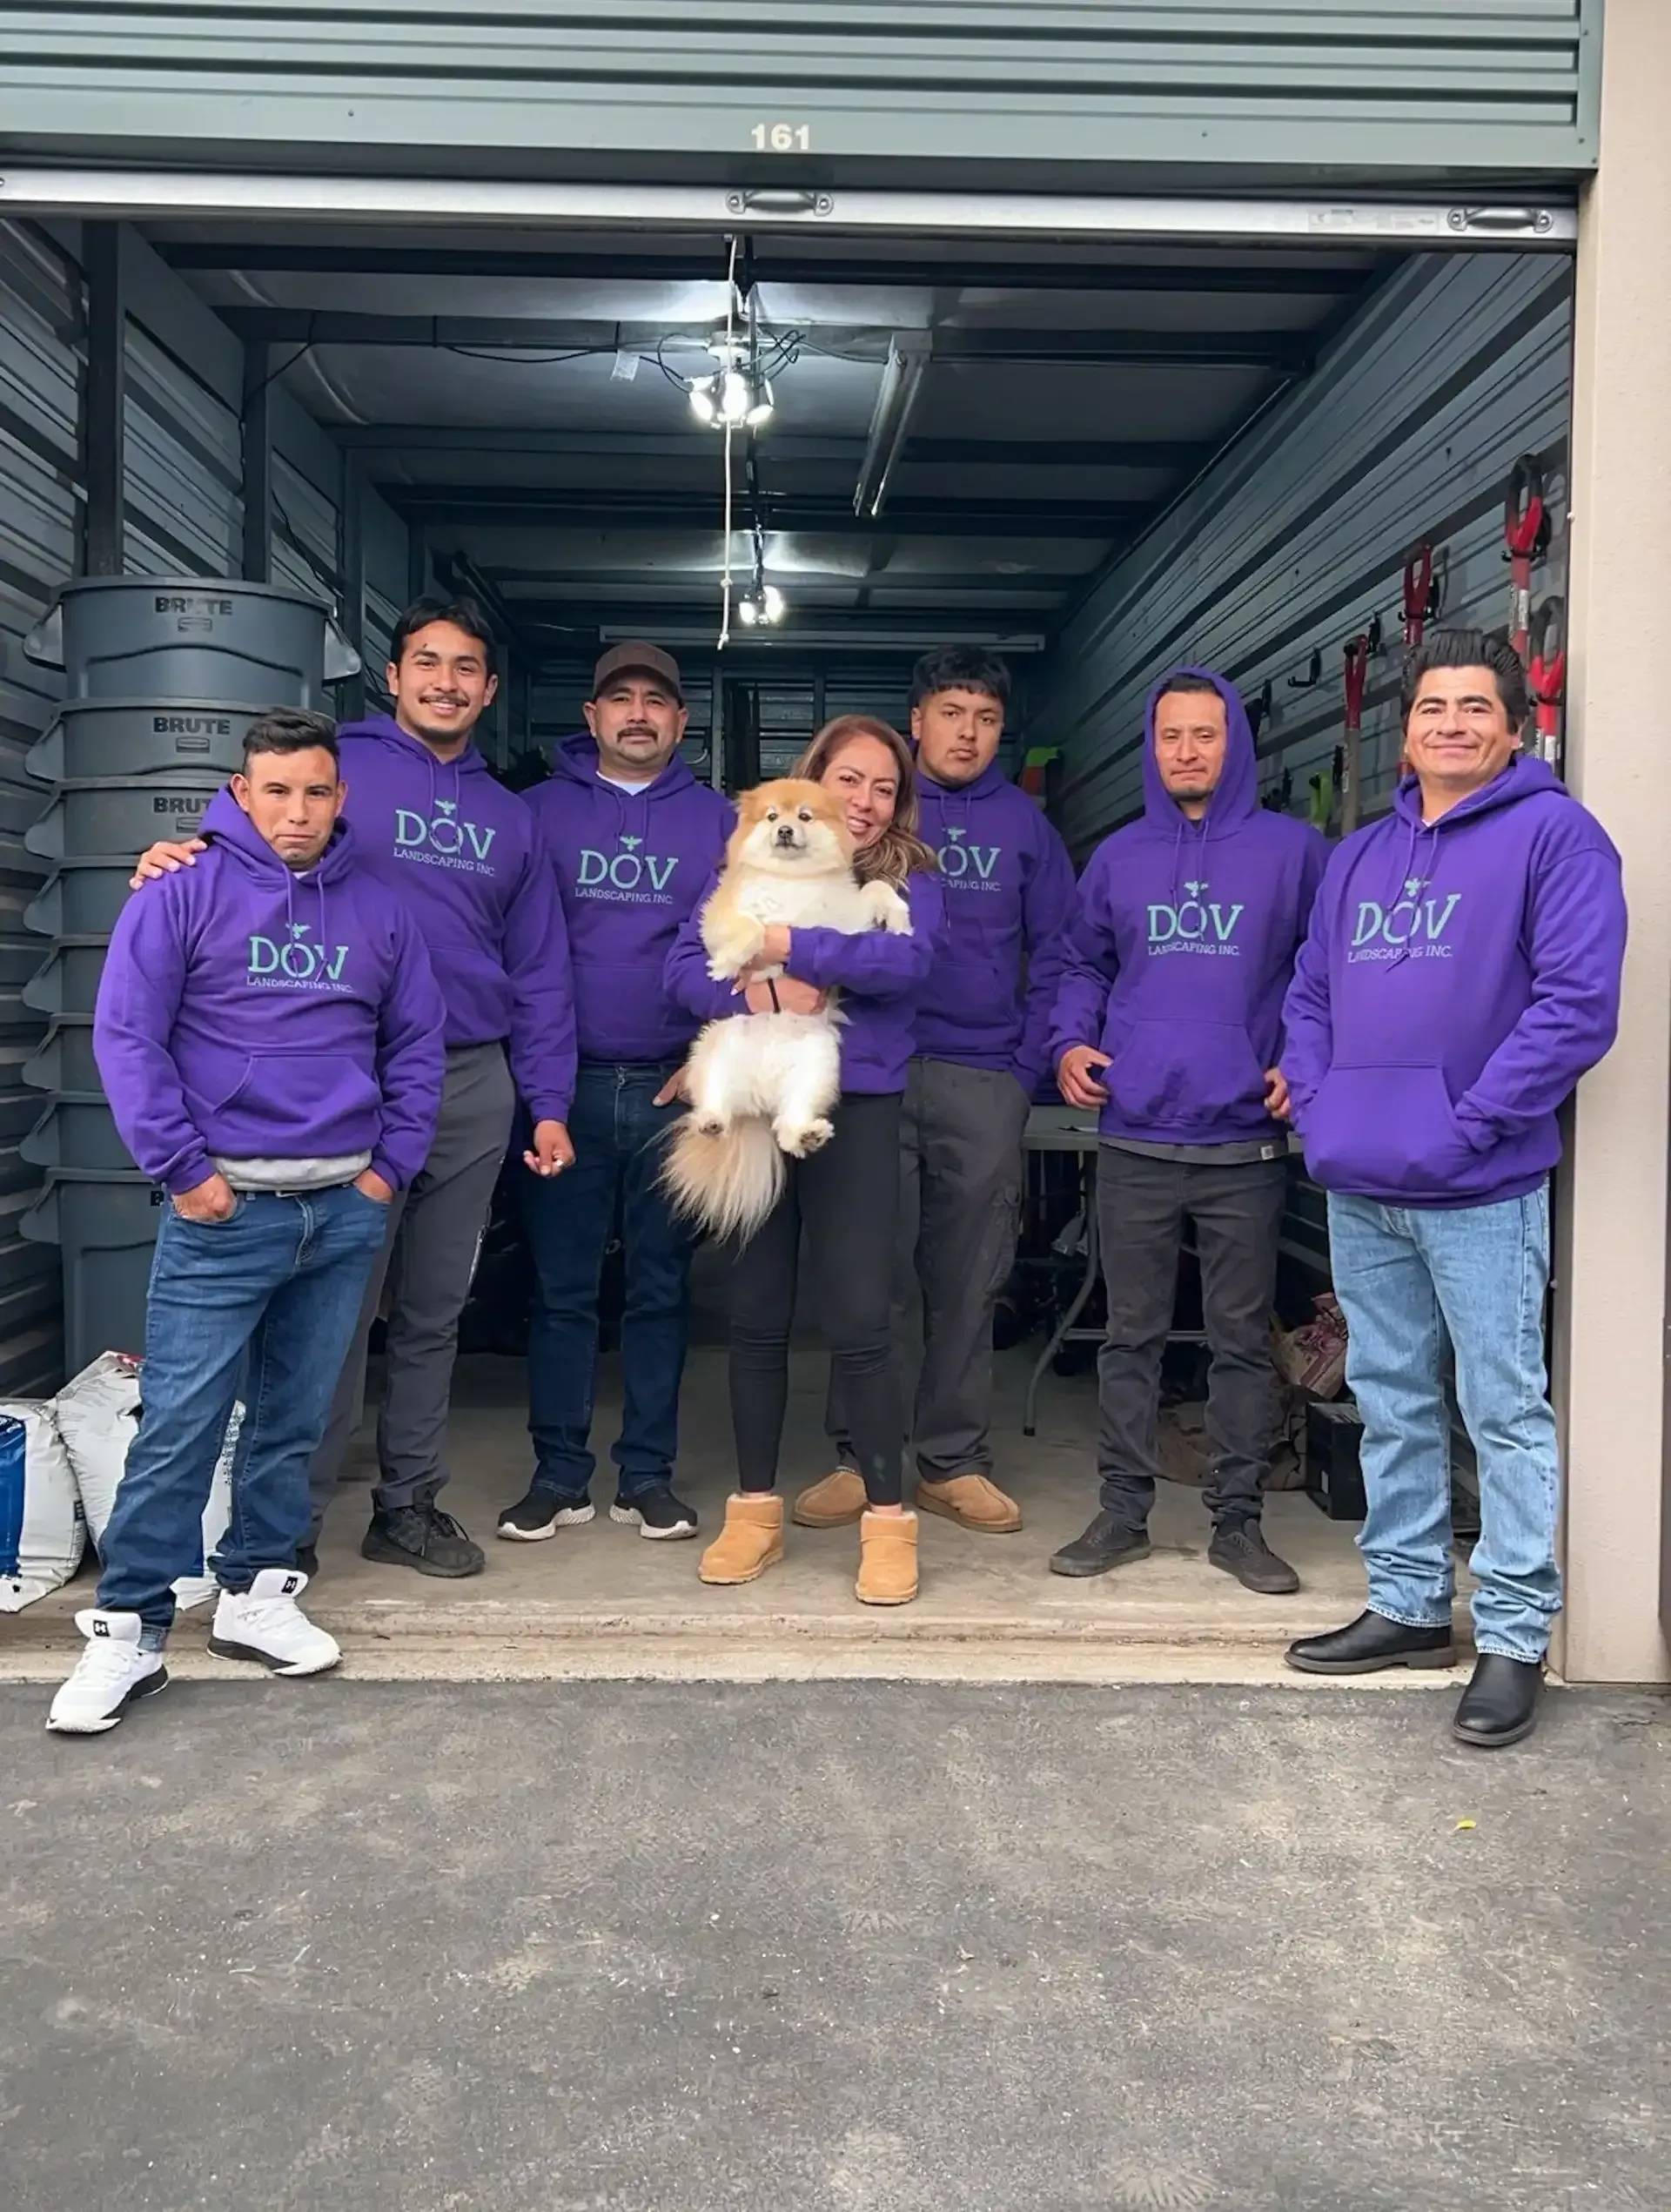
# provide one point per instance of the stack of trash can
(162, 675)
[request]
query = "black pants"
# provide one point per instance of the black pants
(848, 1198)
(1141, 1207)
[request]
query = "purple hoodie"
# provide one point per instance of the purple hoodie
(1009, 888)
(255, 1013)
(630, 867)
(1180, 949)
(1458, 980)
(880, 976)
(460, 850)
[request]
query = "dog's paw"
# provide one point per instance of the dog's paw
(802, 1139)
(888, 910)
(732, 944)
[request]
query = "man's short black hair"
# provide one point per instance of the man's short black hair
(463, 613)
(1470, 648)
(959, 667)
(1187, 684)
(290, 730)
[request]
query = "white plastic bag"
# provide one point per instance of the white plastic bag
(43, 1528)
(97, 1415)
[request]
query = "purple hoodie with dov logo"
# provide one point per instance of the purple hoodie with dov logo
(1009, 891)
(249, 1013)
(1181, 946)
(630, 866)
(460, 850)
(1459, 978)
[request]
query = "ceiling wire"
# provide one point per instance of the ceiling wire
(730, 329)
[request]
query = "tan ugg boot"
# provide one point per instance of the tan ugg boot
(833, 1503)
(887, 1559)
(973, 1502)
(750, 1542)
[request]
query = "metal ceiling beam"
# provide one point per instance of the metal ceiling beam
(782, 445)
(1289, 351)
(372, 259)
(906, 518)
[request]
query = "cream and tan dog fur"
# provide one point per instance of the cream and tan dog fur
(761, 1086)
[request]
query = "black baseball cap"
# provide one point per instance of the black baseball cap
(636, 658)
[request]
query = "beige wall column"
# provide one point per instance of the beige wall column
(1611, 1300)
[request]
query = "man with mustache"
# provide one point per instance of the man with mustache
(461, 852)
(634, 838)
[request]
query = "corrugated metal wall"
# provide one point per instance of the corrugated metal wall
(184, 514)
(40, 323)
(1407, 430)
(631, 86)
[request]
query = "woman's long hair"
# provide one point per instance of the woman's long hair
(898, 853)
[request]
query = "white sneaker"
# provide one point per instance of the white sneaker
(109, 1674)
(266, 1623)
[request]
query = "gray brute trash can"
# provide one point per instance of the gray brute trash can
(99, 738)
(117, 818)
(192, 638)
(67, 981)
(82, 898)
(78, 1131)
(63, 1060)
(105, 1227)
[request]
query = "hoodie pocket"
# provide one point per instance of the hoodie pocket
(1385, 1130)
(288, 1094)
(1184, 1074)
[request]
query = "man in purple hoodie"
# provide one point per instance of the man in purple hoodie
(459, 851)
(1461, 974)
(1169, 1022)
(269, 1034)
(981, 1034)
(633, 837)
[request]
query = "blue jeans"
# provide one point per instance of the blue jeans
(1408, 1279)
(569, 1219)
(277, 1285)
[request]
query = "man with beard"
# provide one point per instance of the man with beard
(632, 837)
(461, 851)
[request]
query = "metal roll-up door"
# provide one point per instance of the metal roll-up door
(40, 502)
(890, 87)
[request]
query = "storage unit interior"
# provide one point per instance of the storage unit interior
(1095, 457)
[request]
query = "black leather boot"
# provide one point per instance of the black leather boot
(1369, 1644)
(1500, 1704)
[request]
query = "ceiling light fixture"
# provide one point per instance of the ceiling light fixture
(761, 602)
(737, 395)
(909, 352)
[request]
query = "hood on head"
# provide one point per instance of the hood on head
(575, 760)
(1238, 795)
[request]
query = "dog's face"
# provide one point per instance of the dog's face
(791, 828)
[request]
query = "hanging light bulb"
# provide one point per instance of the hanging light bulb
(738, 395)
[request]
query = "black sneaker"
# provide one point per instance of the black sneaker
(423, 1537)
(539, 1515)
(1108, 1542)
(656, 1514)
(1240, 1549)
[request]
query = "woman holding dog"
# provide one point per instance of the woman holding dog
(846, 1195)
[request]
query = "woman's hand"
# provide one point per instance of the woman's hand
(793, 998)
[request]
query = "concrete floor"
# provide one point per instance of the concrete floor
(600, 1599)
(831, 1947)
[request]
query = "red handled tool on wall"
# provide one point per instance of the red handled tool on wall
(1547, 677)
(1526, 535)
(1420, 593)
(1356, 658)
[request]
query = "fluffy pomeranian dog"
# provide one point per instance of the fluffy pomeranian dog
(761, 1086)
